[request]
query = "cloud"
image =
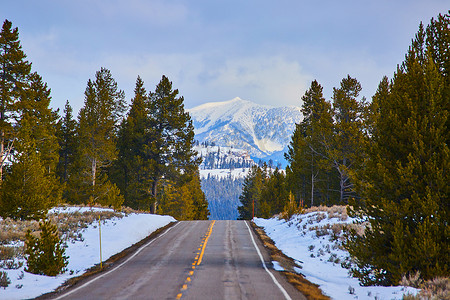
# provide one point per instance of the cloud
(155, 12)
(269, 80)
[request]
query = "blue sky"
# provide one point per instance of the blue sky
(264, 51)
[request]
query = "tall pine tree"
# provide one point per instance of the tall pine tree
(97, 131)
(170, 150)
(66, 134)
(309, 174)
(405, 180)
(14, 71)
(344, 150)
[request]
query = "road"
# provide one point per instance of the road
(193, 260)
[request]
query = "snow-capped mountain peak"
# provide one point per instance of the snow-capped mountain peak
(262, 130)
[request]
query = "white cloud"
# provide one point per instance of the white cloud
(266, 80)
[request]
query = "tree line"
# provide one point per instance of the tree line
(387, 159)
(139, 156)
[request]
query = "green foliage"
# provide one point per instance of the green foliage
(29, 190)
(27, 135)
(155, 152)
(170, 149)
(66, 134)
(404, 180)
(133, 169)
(311, 173)
(251, 194)
(45, 255)
(4, 280)
(14, 72)
(97, 133)
(184, 203)
(264, 193)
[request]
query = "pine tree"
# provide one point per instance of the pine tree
(186, 202)
(404, 182)
(251, 194)
(45, 255)
(308, 174)
(14, 71)
(35, 105)
(200, 205)
(274, 194)
(66, 134)
(170, 147)
(29, 190)
(97, 131)
(132, 170)
(344, 151)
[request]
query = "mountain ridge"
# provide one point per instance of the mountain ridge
(262, 130)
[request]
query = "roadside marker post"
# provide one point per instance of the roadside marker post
(100, 240)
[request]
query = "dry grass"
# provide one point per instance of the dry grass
(309, 289)
(434, 289)
(335, 211)
(70, 226)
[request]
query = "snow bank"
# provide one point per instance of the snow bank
(306, 239)
(117, 235)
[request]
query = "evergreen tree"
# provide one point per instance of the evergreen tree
(184, 203)
(274, 194)
(308, 173)
(251, 194)
(35, 106)
(66, 134)
(97, 131)
(45, 255)
(29, 190)
(404, 182)
(200, 209)
(132, 170)
(171, 133)
(345, 149)
(14, 71)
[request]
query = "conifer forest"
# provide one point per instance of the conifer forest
(386, 158)
(139, 156)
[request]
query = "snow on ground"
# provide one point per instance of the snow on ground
(117, 235)
(224, 173)
(306, 238)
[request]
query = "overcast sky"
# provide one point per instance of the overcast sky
(264, 51)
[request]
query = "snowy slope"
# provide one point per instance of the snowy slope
(117, 235)
(308, 239)
(223, 162)
(259, 129)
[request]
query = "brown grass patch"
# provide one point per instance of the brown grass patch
(309, 289)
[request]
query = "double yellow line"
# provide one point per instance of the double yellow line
(208, 234)
(198, 259)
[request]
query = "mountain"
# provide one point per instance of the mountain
(264, 131)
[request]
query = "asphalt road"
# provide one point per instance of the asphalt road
(193, 260)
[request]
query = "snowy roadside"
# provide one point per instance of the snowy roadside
(118, 233)
(312, 239)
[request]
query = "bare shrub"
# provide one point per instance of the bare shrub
(412, 280)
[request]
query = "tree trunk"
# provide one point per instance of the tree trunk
(93, 171)
(154, 194)
(2, 149)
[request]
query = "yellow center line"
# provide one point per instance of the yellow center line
(198, 259)
(206, 241)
